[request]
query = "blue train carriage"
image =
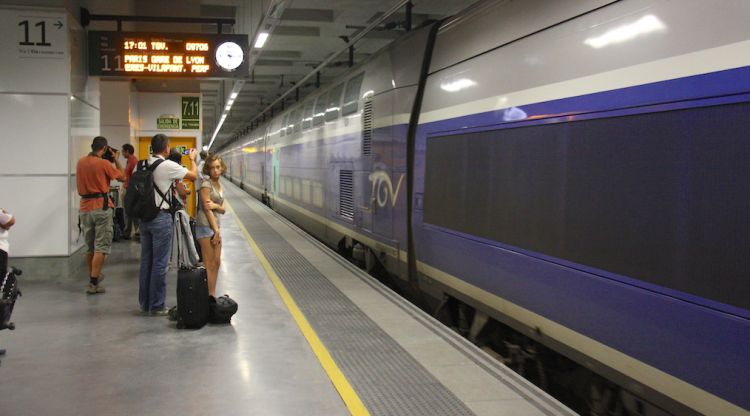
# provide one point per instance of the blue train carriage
(334, 163)
(577, 176)
(582, 175)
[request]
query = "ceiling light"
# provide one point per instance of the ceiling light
(457, 85)
(233, 96)
(624, 33)
(262, 37)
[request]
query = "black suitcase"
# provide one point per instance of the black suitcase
(222, 310)
(192, 297)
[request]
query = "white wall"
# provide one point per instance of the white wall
(115, 112)
(44, 130)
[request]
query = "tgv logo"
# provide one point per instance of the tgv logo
(382, 188)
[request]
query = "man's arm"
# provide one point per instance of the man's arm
(6, 220)
(192, 174)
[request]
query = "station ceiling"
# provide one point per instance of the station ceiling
(305, 33)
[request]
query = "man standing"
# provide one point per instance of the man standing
(93, 175)
(130, 222)
(156, 235)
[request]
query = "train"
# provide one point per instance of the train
(576, 170)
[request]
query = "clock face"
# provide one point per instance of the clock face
(229, 55)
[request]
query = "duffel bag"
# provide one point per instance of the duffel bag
(221, 311)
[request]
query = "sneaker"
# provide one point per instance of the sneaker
(173, 313)
(95, 289)
(160, 312)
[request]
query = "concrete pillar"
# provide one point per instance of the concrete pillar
(49, 111)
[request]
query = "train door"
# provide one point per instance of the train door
(377, 152)
(183, 144)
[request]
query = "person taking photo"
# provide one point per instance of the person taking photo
(94, 172)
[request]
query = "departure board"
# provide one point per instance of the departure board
(167, 55)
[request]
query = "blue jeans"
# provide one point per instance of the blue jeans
(156, 247)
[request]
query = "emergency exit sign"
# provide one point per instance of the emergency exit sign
(191, 117)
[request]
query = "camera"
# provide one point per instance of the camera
(109, 155)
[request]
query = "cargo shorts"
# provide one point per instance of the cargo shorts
(97, 230)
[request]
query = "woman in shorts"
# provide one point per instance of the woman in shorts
(210, 208)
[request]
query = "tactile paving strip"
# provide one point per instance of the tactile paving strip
(387, 379)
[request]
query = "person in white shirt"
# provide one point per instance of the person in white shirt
(156, 235)
(6, 221)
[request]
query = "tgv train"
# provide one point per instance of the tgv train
(578, 170)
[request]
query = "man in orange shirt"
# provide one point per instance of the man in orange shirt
(93, 175)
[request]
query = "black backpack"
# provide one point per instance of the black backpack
(140, 197)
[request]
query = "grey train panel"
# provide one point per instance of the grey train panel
(501, 22)
(560, 54)
(629, 195)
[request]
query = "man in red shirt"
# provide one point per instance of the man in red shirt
(128, 152)
(93, 175)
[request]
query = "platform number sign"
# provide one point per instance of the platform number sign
(191, 113)
(40, 36)
(42, 25)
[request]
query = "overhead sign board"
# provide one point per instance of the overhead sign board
(168, 55)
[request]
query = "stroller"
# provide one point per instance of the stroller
(9, 292)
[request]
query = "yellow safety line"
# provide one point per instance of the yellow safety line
(347, 393)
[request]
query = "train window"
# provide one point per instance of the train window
(334, 103)
(320, 110)
(307, 115)
(284, 123)
(294, 122)
(351, 95)
(655, 197)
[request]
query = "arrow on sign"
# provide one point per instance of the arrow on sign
(58, 24)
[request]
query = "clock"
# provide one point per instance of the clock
(229, 56)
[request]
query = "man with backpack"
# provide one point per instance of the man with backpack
(149, 199)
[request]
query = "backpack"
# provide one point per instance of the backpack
(9, 292)
(140, 199)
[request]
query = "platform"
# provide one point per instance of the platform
(314, 335)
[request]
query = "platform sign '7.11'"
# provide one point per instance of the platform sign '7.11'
(191, 113)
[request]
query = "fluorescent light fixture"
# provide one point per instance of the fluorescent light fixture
(233, 96)
(624, 33)
(262, 37)
(457, 85)
(205, 148)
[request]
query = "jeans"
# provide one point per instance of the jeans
(156, 247)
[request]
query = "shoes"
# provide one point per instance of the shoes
(95, 289)
(143, 312)
(2, 351)
(173, 313)
(160, 312)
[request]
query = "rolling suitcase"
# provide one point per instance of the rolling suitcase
(192, 297)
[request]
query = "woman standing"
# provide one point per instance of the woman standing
(207, 223)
